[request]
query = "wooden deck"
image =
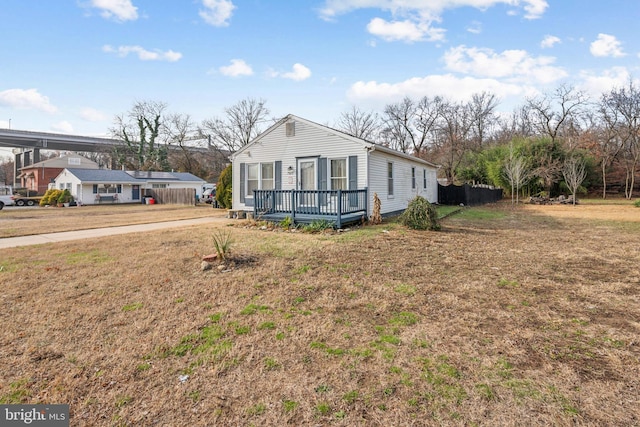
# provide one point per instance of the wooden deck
(341, 207)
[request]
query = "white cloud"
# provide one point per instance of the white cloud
(549, 41)
(534, 8)
(407, 30)
(413, 19)
(26, 99)
(299, 73)
(237, 68)
(598, 84)
(376, 95)
(217, 12)
(475, 27)
(119, 10)
(516, 65)
(92, 115)
(607, 45)
(62, 127)
(143, 54)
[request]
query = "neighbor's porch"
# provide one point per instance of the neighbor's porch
(342, 207)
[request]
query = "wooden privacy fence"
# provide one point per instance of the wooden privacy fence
(172, 196)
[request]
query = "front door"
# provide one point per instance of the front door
(135, 192)
(307, 178)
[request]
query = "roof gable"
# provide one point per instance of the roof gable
(335, 132)
(70, 161)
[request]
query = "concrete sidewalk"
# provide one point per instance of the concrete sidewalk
(37, 239)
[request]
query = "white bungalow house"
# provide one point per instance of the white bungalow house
(94, 186)
(308, 171)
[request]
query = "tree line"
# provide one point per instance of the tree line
(557, 142)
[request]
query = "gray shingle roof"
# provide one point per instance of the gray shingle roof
(103, 175)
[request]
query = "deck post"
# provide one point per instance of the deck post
(339, 207)
(293, 206)
(273, 201)
(366, 202)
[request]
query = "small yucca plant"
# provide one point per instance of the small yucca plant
(222, 243)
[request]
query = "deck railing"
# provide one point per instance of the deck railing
(330, 204)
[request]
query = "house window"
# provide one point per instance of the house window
(424, 178)
(107, 188)
(158, 185)
(260, 176)
(253, 174)
(267, 176)
(413, 178)
(390, 179)
(339, 174)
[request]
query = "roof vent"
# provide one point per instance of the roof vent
(291, 129)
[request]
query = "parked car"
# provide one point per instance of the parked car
(6, 201)
(209, 196)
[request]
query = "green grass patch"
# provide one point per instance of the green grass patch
(254, 308)
(18, 393)
(403, 318)
(132, 307)
(90, 257)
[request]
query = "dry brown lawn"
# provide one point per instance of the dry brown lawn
(25, 221)
(507, 317)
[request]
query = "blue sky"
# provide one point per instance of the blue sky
(70, 66)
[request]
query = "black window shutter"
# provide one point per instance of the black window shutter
(353, 172)
(241, 182)
(322, 173)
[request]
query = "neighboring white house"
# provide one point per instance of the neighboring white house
(93, 186)
(297, 154)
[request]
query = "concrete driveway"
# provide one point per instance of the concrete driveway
(38, 239)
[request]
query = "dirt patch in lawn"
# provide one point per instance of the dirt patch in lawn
(506, 317)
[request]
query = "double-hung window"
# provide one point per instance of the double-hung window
(390, 179)
(424, 179)
(338, 174)
(413, 178)
(260, 176)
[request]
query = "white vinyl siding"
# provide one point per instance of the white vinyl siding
(317, 141)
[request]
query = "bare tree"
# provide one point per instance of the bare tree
(453, 137)
(241, 124)
(550, 114)
(482, 116)
(517, 172)
(574, 173)
(360, 124)
(397, 132)
(139, 130)
(181, 133)
(603, 140)
(624, 103)
(411, 127)
(6, 170)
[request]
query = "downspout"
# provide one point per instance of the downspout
(368, 183)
